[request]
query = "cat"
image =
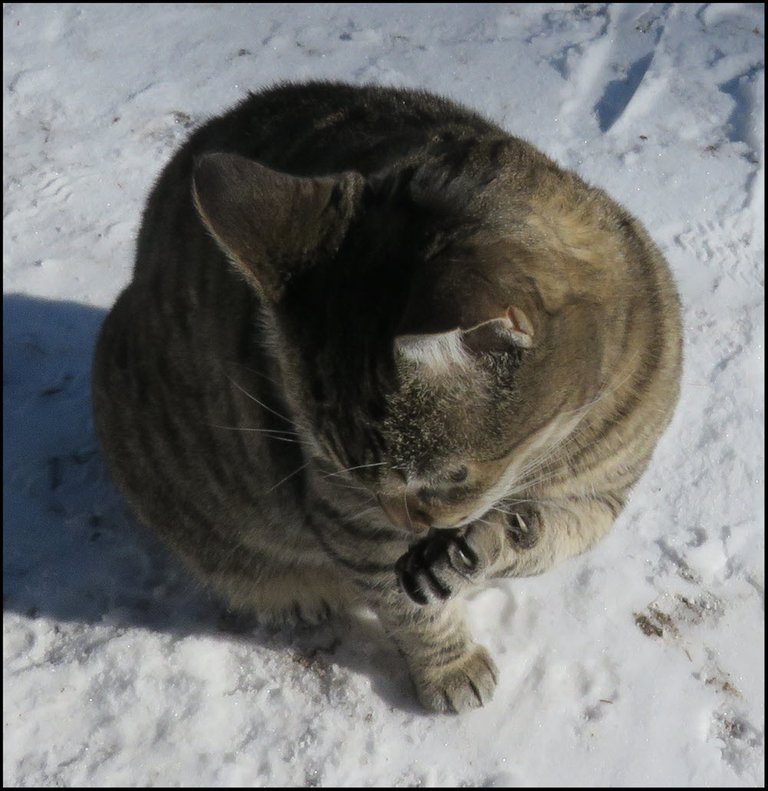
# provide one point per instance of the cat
(376, 352)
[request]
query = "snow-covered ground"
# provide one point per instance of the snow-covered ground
(641, 663)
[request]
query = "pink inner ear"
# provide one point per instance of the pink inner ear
(519, 321)
(511, 316)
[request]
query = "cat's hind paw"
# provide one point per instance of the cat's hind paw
(295, 614)
(466, 683)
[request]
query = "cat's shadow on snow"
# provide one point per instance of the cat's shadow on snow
(72, 552)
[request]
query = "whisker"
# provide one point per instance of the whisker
(259, 430)
(407, 512)
(287, 477)
(607, 389)
(541, 479)
(523, 501)
(284, 439)
(537, 462)
(253, 398)
(365, 510)
(359, 467)
(254, 371)
(347, 486)
(512, 501)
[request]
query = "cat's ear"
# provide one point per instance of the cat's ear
(273, 225)
(442, 352)
(513, 328)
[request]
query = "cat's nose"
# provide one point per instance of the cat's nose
(406, 513)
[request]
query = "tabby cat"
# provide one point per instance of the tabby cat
(375, 352)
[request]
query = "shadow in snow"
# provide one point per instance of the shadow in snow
(71, 549)
(618, 93)
(743, 121)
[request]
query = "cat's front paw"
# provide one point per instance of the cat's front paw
(466, 683)
(439, 567)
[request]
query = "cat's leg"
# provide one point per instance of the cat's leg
(521, 542)
(426, 620)
(283, 597)
(539, 536)
(450, 671)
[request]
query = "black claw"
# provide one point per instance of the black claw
(411, 588)
(440, 590)
(401, 566)
(434, 545)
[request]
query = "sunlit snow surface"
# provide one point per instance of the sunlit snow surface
(640, 663)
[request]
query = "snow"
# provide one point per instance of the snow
(641, 663)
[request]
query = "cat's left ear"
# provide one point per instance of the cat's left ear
(442, 352)
(273, 225)
(513, 328)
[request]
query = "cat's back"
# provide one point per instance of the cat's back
(180, 361)
(186, 327)
(325, 127)
(171, 312)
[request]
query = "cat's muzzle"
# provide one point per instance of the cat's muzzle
(405, 513)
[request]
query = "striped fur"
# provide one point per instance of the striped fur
(275, 394)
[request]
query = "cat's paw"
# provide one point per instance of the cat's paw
(295, 614)
(466, 683)
(439, 567)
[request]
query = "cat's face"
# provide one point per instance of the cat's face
(446, 453)
(442, 446)
(436, 422)
(413, 371)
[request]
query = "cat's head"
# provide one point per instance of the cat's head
(415, 351)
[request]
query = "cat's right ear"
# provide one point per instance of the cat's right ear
(273, 225)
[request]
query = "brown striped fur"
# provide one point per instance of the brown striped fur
(375, 352)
